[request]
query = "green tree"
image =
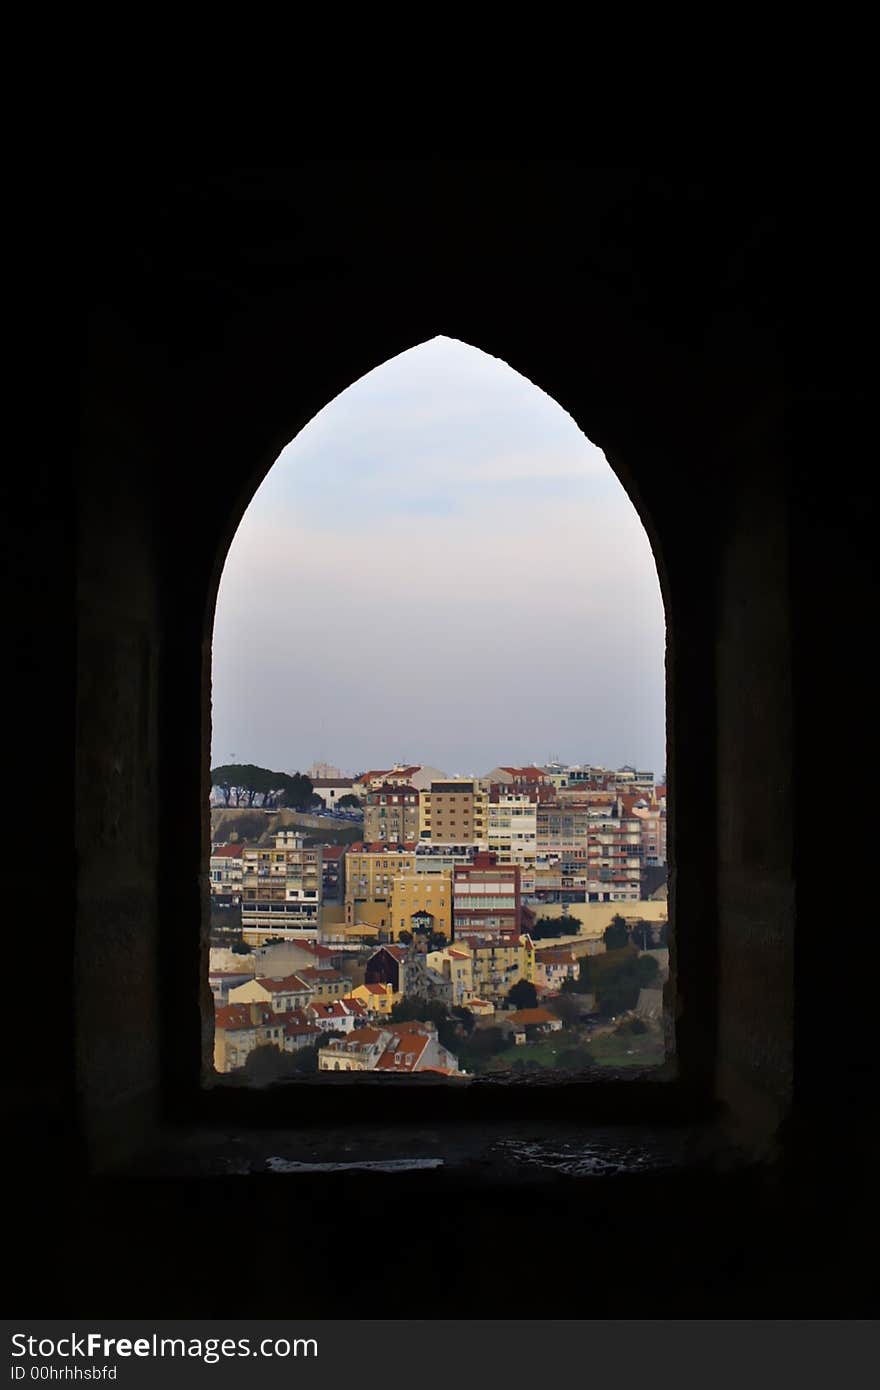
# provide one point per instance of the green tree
(548, 927)
(294, 791)
(566, 1008)
(523, 995)
(482, 1044)
(268, 1063)
(349, 801)
(244, 783)
(616, 934)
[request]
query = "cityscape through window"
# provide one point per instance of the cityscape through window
(438, 786)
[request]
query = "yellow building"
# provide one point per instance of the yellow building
(421, 896)
(455, 963)
(377, 999)
(455, 813)
(497, 967)
(369, 877)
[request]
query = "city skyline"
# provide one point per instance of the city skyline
(440, 567)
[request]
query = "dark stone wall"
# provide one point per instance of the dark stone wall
(210, 320)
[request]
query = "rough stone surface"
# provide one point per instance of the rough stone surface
(207, 322)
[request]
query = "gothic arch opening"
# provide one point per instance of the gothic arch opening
(438, 745)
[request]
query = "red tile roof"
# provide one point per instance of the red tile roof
(361, 1037)
(233, 1017)
(227, 851)
(299, 1030)
(408, 1046)
(289, 984)
(527, 1017)
(313, 974)
(335, 1009)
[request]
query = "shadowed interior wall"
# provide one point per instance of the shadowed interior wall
(221, 316)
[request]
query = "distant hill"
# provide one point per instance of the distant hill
(260, 826)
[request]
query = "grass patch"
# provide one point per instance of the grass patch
(613, 1049)
(608, 1050)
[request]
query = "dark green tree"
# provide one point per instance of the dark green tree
(523, 995)
(348, 801)
(616, 934)
(566, 1008)
(548, 927)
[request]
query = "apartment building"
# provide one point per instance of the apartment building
(332, 873)
(455, 813)
(421, 902)
(391, 814)
(370, 870)
(225, 874)
(587, 851)
(487, 901)
(614, 860)
(513, 831)
(652, 823)
(282, 887)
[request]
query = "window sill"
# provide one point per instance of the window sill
(473, 1155)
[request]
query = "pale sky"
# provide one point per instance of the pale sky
(440, 569)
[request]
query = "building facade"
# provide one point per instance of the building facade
(487, 902)
(391, 814)
(455, 813)
(282, 887)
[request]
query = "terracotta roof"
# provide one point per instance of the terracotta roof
(355, 1006)
(316, 950)
(227, 851)
(312, 973)
(408, 1046)
(332, 781)
(398, 952)
(378, 989)
(288, 984)
(525, 1017)
(333, 851)
(363, 1037)
(335, 1009)
(233, 1017)
(299, 1030)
